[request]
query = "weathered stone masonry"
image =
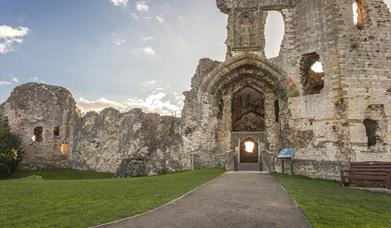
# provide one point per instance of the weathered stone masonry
(342, 113)
(93, 141)
(326, 123)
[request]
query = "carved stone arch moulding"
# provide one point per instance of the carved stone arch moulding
(246, 14)
(252, 65)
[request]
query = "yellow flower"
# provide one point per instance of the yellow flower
(14, 154)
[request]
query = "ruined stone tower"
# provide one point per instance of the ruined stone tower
(341, 113)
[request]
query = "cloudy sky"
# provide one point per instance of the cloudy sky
(121, 53)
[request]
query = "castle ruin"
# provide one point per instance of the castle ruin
(331, 116)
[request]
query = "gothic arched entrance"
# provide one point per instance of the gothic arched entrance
(248, 121)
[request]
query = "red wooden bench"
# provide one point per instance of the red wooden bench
(367, 172)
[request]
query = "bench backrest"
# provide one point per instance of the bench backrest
(376, 168)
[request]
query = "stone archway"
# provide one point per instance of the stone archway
(218, 92)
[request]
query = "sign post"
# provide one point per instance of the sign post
(286, 154)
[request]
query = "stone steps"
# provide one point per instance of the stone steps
(248, 167)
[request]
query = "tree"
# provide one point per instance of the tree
(10, 150)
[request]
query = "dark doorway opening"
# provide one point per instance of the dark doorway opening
(248, 150)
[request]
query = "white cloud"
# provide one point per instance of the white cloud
(142, 7)
(119, 42)
(119, 2)
(9, 36)
(157, 102)
(148, 38)
(15, 79)
(160, 18)
(149, 51)
(388, 2)
(135, 16)
(2, 83)
(98, 105)
(317, 67)
(149, 83)
(34, 78)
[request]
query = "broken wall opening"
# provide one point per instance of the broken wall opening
(360, 13)
(56, 131)
(311, 74)
(274, 33)
(277, 110)
(38, 131)
(375, 123)
(65, 148)
(371, 127)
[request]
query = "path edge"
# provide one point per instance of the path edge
(166, 204)
(294, 201)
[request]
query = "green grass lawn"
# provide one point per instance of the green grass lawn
(328, 204)
(28, 202)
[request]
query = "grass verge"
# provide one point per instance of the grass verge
(81, 203)
(328, 204)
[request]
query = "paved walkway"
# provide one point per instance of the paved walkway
(231, 200)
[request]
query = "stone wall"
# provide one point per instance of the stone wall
(32, 106)
(104, 140)
(95, 141)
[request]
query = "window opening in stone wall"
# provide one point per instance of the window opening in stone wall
(277, 110)
(65, 148)
(274, 33)
(221, 109)
(38, 134)
(312, 74)
(56, 131)
(371, 128)
(360, 13)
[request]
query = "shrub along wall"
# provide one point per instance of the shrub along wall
(10, 150)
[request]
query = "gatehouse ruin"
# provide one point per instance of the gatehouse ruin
(247, 107)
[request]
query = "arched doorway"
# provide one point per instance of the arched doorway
(249, 150)
(248, 120)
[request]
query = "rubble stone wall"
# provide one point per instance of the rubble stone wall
(95, 141)
(48, 107)
(104, 140)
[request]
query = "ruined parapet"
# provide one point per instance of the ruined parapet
(44, 118)
(197, 136)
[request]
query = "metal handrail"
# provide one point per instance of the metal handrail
(269, 160)
(233, 157)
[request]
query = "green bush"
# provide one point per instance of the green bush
(10, 150)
